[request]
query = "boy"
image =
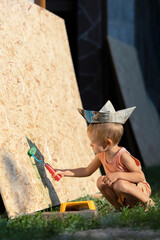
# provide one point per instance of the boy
(124, 183)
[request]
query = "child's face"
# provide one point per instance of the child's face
(96, 144)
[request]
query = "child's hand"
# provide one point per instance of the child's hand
(58, 173)
(110, 178)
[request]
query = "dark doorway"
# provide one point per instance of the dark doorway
(67, 9)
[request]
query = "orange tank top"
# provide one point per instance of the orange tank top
(116, 164)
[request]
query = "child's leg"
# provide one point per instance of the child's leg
(131, 192)
(108, 193)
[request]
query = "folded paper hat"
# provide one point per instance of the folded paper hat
(107, 114)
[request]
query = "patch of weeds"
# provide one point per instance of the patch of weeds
(24, 227)
(35, 227)
(135, 218)
(53, 209)
(138, 218)
(112, 219)
(72, 223)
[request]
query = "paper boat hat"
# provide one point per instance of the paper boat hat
(107, 114)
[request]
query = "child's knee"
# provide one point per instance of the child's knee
(120, 186)
(100, 184)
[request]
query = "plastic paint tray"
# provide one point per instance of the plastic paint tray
(77, 206)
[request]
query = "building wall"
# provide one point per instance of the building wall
(137, 23)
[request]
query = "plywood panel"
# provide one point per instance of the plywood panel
(38, 99)
(145, 120)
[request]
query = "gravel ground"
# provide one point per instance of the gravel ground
(113, 234)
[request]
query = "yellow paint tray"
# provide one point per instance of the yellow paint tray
(77, 206)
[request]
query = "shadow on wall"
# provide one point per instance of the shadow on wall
(20, 185)
(45, 180)
(16, 179)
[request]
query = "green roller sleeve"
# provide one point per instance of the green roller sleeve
(32, 151)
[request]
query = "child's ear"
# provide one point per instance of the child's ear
(108, 143)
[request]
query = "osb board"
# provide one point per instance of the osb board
(38, 99)
(144, 120)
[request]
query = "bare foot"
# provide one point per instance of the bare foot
(149, 203)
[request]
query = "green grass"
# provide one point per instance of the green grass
(35, 227)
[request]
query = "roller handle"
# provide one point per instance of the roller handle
(52, 171)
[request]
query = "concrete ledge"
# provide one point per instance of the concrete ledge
(84, 213)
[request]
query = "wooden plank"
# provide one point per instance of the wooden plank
(43, 3)
(39, 98)
(145, 121)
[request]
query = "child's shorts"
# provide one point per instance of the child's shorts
(144, 186)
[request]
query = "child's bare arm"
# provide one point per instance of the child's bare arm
(135, 175)
(80, 172)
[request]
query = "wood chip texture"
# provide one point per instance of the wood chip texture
(39, 98)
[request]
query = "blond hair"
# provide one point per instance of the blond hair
(102, 131)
